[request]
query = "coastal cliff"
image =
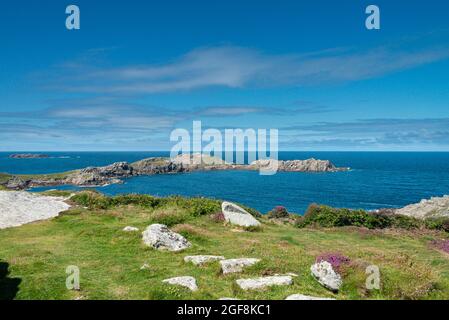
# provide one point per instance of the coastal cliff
(114, 173)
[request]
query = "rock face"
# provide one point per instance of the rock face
(236, 265)
(309, 165)
(238, 216)
(16, 183)
(264, 282)
(326, 276)
(94, 176)
(28, 156)
(19, 207)
(160, 237)
(432, 208)
(188, 282)
(201, 260)
(303, 297)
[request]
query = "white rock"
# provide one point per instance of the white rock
(236, 265)
(238, 216)
(188, 282)
(264, 282)
(130, 229)
(428, 208)
(145, 266)
(200, 260)
(303, 297)
(160, 237)
(226, 298)
(326, 275)
(20, 207)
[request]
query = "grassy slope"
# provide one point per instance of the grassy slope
(110, 259)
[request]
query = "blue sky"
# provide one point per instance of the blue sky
(138, 69)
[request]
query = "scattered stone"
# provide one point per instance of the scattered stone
(200, 260)
(145, 267)
(225, 298)
(130, 229)
(291, 274)
(160, 237)
(303, 297)
(236, 265)
(326, 276)
(264, 282)
(238, 216)
(188, 282)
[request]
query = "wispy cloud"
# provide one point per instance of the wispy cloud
(237, 67)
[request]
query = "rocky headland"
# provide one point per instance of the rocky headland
(116, 172)
(28, 156)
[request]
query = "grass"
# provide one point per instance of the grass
(110, 259)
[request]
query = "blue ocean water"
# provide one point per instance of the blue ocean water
(377, 179)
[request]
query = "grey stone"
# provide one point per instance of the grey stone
(200, 260)
(236, 265)
(160, 237)
(326, 276)
(264, 282)
(130, 229)
(187, 281)
(238, 216)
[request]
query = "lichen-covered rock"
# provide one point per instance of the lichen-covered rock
(264, 282)
(160, 237)
(200, 260)
(238, 216)
(326, 276)
(304, 297)
(187, 281)
(236, 265)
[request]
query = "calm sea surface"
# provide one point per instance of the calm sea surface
(377, 179)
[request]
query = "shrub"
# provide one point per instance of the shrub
(327, 217)
(438, 224)
(337, 260)
(218, 217)
(96, 200)
(278, 212)
(441, 245)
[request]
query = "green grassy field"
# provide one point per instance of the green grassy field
(110, 260)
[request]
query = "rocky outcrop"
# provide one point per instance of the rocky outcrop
(158, 236)
(326, 276)
(264, 282)
(303, 297)
(238, 216)
(201, 260)
(114, 173)
(19, 207)
(236, 265)
(94, 176)
(187, 281)
(310, 165)
(28, 156)
(431, 208)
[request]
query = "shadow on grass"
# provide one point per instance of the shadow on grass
(8, 286)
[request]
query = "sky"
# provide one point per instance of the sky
(136, 70)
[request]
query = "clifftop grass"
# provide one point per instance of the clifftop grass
(90, 236)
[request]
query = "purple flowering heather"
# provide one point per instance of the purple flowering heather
(337, 260)
(441, 245)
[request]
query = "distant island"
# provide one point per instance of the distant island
(28, 156)
(100, 176)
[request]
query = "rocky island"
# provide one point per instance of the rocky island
(28, 156)
(114, 173)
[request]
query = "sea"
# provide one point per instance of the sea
(376, 179)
